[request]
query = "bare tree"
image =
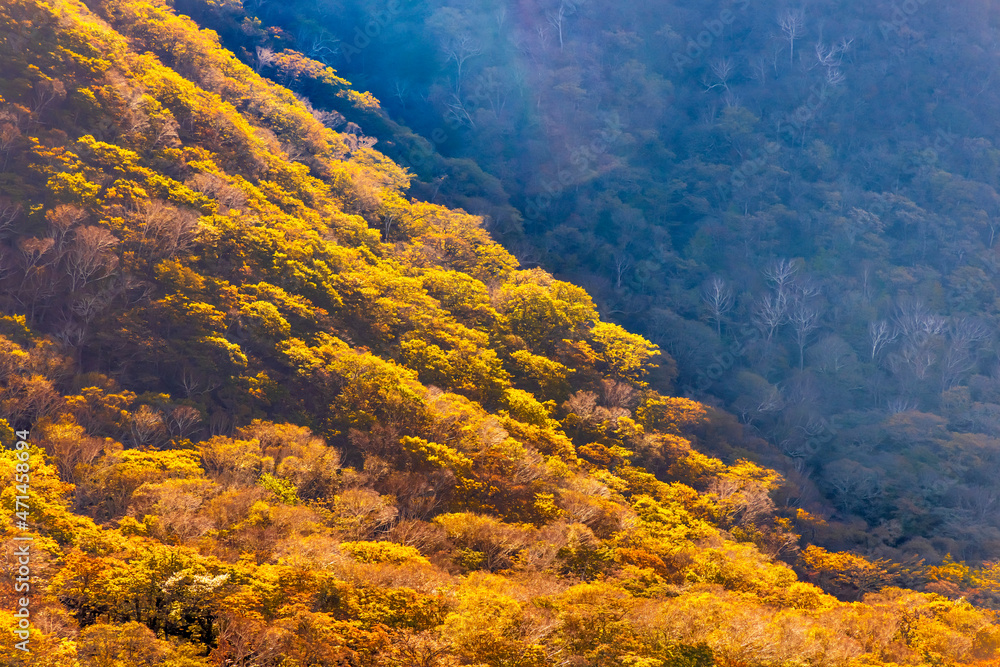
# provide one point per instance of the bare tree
(758, 69)
(163, 230)
(804, 319)
(557, 19)
(460, 49)
(500, 16)
(732, 100)
(909, 314)
(967, 330)
(920, 357)
(834, 76)
(242, 641)
(623, 262)
(9, 137)
(853, 485)
(880, 334)
(831, 58)
(933, 325)
(323, 47)
(494, 87)
(543, 38)
(9, 212)
(458, 111)
(793, 25)
(769, 313)
(89, 256)
(146, 426)
(780, 274)
(719, 298)
(331, 119)
(182, 421)
(361, 512)
(401, 90)
(61, 220)
(805, 289)
(47, 92)
(980, 500)
(899, 405)
(357, 142)
(917, 324)
(219, 189)
(867, 289)
(265, 57)
(32, 250)
(832, 354)
(196, 385)
(957, 361)
(723, 69)
(71, 448)
(959, 358)
(762, 403)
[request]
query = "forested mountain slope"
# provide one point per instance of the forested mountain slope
(798, 203)
(283, 414)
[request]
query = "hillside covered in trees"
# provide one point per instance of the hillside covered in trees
(797, 202)
(284, 408)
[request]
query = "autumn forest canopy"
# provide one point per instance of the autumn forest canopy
(542, 334)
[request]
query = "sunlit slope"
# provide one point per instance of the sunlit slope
(799, 204)
(266, 436)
